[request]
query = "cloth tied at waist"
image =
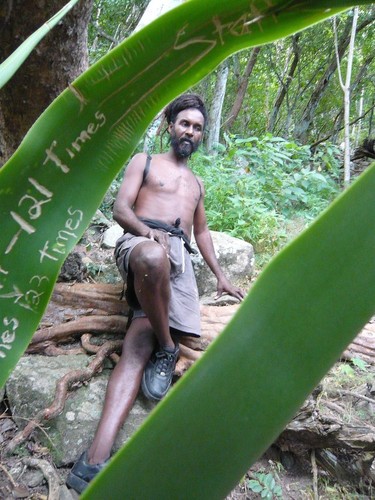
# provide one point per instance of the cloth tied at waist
(174, 230)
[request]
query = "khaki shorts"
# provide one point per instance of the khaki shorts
(184, 311)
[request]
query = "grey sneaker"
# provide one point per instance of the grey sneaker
(158, 374)
(83, 472)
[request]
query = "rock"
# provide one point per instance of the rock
(33, 478)
(111, 235)
(235, 256)
(67, 494)
(31, 387)
(73, 268)
(99, 219)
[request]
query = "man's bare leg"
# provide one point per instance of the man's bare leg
(151, 268)
(122, 388)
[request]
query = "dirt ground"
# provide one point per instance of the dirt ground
(18, 479)
(31, 474)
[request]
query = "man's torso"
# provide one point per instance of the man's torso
(168, 192)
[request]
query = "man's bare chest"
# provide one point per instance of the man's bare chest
(180, 184)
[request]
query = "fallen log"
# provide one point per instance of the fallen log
(95, 308)
(81, 308)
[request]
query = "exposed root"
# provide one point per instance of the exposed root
(93, 349)
(315, 475)
(49, 473)
(66, 331)
(62, 386)
(53, 350)
(187, 358)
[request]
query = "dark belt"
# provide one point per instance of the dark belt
(174, 230)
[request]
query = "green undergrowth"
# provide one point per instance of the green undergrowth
(264, 190)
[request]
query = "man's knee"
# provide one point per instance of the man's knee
(149, 258)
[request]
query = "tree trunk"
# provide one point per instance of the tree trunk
(371, 118)
(56, 62)
(241, 92)
(214, 122)
(284, 85)
(345, 86)
(306, 119)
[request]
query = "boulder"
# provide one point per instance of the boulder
(31, 388)
(111, 235)
(235, 256)
(73, 269)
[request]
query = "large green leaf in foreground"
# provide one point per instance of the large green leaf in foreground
(231, 405)
(53, 184)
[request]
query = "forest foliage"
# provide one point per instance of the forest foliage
(293, 90)
(263, 183)
(268, 172)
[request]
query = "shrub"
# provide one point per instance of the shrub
(255, 185)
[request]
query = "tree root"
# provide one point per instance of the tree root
(315, 475)
(187, 358)
(62, 386)
(53, 350)
(49, 336)
(93, 349)
(48, 472)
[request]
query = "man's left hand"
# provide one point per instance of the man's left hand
(224, 286)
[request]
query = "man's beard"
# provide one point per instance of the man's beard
(184, 147)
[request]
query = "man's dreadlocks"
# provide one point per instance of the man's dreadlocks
(184, 101)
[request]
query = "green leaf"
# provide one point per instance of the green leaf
(52, 185)
(278, 491)
(360, 363)
(15, 60)
(301, 313)
(269, 481)
(255, 486)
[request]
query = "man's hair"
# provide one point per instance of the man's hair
(185, 101)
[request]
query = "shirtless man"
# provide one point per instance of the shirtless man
(159, 204)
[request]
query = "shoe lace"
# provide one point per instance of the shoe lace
(164, 361)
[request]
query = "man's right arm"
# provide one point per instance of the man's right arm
(123, 212)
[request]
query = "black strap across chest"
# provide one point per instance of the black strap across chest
(147, 168)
